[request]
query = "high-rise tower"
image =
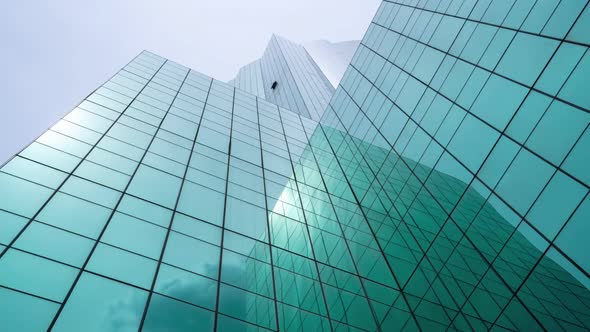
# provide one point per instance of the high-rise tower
(288, 76)
(445, 187)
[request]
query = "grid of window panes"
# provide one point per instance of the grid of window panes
(462, 129)
(446, 188)
(301, 86)
(249, 79)
(170, 201)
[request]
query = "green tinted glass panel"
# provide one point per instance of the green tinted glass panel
(122, 265)
(20, 196)
(75, 215)
(155, 186)
(165, 314)
(101, 304)
(54, 243)
(21, 312)
(19, 270)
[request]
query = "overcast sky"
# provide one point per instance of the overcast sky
(56, 52)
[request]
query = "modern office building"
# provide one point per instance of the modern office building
(445, 187)
(288, 76)
(303, 71)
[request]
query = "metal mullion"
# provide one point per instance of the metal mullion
(29, 294)
(216, 315)
(270, 247)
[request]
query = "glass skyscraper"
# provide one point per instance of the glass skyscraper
(445, 187)
(286, 75)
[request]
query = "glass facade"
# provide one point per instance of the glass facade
(300, 86)
(462, 129)
(250, 79)
(445, 188)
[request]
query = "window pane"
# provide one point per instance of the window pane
(100, 304)
(21, 312)
(166, 314)
(55, 244)
(191, 254)
(21, 271)
(20, 196)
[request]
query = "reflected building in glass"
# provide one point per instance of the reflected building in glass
(444, 187)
